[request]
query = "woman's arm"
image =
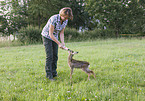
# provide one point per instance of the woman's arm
(51, 30)
(62, 37)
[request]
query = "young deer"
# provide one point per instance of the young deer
(78, 64)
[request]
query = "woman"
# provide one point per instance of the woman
(55, 25)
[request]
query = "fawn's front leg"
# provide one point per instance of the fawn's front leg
(71, 73)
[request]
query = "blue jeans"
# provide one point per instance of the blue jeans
(51, 49)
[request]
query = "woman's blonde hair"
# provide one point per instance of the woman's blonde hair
(66, 11)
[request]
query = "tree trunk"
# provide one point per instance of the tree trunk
(117, 34)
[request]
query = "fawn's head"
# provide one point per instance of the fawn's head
(72, 52)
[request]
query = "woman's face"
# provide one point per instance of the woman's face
(63, 18)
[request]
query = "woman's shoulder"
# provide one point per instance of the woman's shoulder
(54, 16)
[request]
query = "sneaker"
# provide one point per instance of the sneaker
(49, 76)
(54, 75)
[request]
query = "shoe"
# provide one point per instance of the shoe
(54, 75)
(49, 76)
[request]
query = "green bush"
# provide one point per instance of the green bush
(98, 33)
(29, 35)
(71, 34)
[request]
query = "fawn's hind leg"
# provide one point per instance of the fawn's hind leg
(93, 74)
(86, 69)
(71, 73)
(89, 76)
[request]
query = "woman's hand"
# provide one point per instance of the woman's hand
(61, 45)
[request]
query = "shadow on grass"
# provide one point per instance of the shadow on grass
(141, 84)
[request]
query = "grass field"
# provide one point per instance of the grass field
(119, 66)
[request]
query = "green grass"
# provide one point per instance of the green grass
(119, 66)
(9, 43)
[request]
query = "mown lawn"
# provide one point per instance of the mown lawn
(119, 66)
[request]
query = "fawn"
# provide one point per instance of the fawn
(78, 64)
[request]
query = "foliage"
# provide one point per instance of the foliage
(118, 66)
(98, 34)
(40, 10)
(121, 16)
(124, 16)
(16, 17)
(29, 35)
(81, 17)
(3, 24)
(37, 12)
(71, 34)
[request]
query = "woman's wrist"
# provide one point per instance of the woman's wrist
(63, 43)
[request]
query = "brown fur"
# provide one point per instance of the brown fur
(84, 65)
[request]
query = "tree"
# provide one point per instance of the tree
(41, 10)
(16, 17)
(116, 14)
(81, 17)
(3, 24)
(37, 12)
(135, 12)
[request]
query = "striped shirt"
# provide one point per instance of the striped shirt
(55, 21)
